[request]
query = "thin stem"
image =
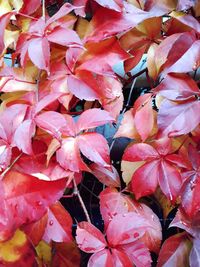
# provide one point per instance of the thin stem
(43, 10)
(26, 16)
(11, 165)
(76, 192)
(37, 89)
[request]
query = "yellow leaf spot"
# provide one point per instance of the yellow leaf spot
(44, 252)
(10, 250)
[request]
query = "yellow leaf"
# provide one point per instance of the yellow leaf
(4, 7)
(10, 250)
(165, 204)
(81, 27)
(16, 4)
(10, 38)
(128, 168)
(44, 252)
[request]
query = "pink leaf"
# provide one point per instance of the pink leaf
(132, 227)
(175, 251)
(69, 155)
(10, 120)
(23, 136)
(95, 147)
(178, 121)
(39, 52)
(101, 258)
(195, 253)
(81, 89)
(92, 118)
(47, 100)
(138, 253)
(55, 124)
(107, 176)
(120, 258)
(65, 37)
(59, 224)
(89, 238)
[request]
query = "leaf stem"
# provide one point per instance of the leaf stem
(37, 89)
(11, 165)
(26, 16)
(43, 10)
(77, 193)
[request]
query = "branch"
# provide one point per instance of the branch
(135, 76)
(76, 192)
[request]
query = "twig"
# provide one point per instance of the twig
(43, 10)
(135, 76)
(11, 165)
(37, 89)
(76, 192)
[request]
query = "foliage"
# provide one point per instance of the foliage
(61, 85)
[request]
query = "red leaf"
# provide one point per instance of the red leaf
(105, 55)
(46, 100)
(190, 189)
(107, 176)
(65, 37)
(140, 152)
(89, 238)
(66, 255)
(132, 227)
(160, 167)
(92, 118)
(63, 11)
(112, 203)
(59, 225)
(101, 258)
(26, 199)
(95, 147)
(120, 258)
(141, 184)
(30, 6)
(175, 251)
(144, 117)
(129, 18)
(35, 230)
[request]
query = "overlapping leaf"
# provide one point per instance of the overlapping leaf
(160, 163)
(92, 145)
